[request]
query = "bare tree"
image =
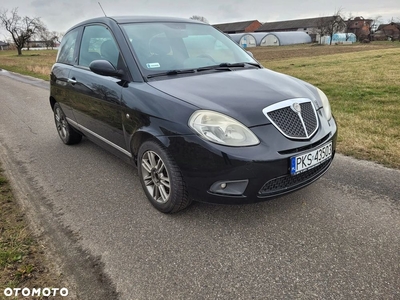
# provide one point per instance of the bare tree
(335, 24)
(50, 38)
(322, 28)
(376, 21)
(199, 18)
(22, 29)
(349, 26)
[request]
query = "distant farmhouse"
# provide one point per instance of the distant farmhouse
(4, 45)
(360, 27)
(310, 26)
(389, 31)
(238, 27)
(357, 28)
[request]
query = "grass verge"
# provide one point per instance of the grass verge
(35, 63)
(22, 260)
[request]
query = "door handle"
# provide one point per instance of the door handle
(72, 80)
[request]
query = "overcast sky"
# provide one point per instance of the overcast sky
(59, 15)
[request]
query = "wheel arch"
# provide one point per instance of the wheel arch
(144, 135)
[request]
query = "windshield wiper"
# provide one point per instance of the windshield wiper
(171, 72)
(221, 67)
(226, 66)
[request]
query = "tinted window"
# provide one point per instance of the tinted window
(67, 48)
(98, 43)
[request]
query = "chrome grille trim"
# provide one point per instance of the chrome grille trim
(303, 125)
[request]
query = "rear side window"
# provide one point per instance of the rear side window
(67, 48)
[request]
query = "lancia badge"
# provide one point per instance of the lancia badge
(296, 107)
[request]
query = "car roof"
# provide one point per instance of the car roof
(135, 19)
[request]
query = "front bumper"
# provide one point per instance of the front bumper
(265, 167)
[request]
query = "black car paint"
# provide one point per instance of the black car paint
(218, 91)
(128, 109)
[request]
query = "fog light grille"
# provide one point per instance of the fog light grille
(286, 183)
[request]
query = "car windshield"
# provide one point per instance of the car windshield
(161, 47)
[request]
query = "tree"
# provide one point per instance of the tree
(199, 18)
(50, 38)
(375, 23)
(322, 28)
(22, 29)
(335, 24)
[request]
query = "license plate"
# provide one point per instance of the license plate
(309, 160)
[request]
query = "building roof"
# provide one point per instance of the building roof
(235, 26)
(2, 44)
(294, 24)
(392, 23)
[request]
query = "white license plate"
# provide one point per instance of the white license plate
(310, 159)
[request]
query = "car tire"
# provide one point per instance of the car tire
(67, 134)
(161, 178)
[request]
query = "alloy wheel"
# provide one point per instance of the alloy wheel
(61, 123)
(155, 177)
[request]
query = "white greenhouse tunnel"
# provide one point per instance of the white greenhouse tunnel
(254, 39)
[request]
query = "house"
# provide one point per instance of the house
(360, 27)
(36, 44)
(388, 31)
(238, 27)
(4, 45)
(311, 26)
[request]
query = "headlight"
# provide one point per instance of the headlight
(221, 129)
(325, 104)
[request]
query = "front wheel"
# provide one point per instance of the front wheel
(161, 178)
(67, 134)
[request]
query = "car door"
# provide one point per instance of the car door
(66, 58)
(97, 98)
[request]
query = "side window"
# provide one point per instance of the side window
(98, 43)
(67, 48)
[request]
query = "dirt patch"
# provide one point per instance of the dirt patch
(23, 263)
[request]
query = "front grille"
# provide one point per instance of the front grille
(291, 123)
(288, 121)
(287, 183)
(309, 117)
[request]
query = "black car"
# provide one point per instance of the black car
(197, 114)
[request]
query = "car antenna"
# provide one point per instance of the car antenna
(102, 9)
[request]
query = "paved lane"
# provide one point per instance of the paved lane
(337, 239)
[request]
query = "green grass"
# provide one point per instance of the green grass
(36, 63)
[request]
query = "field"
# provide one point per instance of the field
(362, 82)
(33, 63)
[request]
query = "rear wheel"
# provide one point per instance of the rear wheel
(161, 178)
(68, 135)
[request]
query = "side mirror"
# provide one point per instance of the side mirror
(105, 68)
(249, 53)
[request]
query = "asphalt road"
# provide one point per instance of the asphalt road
(337, 239)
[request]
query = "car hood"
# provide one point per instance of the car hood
(241, 94)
